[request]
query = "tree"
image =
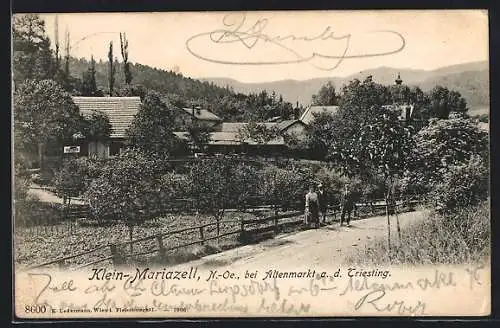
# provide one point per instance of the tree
(152, 128)
(440, 145)
(126, 65)
(326, 96)
(70, 179)
(56, 36)
(127, 190)
(46, 114)
(67, 75)
(371, 141)
(89, 85)
(442, 102)
(111, 69)
(222, 182)
(284, 187)
(321, 133)
(198, 136)
(31, 57)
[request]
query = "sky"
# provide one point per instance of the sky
(270, 46)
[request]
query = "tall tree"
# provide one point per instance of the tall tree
(111, 70)
(56, 36)
(67, 77)
(326, 96)
(32, 57)
(371, 141)
(89, 85)
(126, 65)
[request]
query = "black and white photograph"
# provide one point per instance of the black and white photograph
(251, 164)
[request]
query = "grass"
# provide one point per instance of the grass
(454, 239)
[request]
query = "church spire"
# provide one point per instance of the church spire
(398, 80)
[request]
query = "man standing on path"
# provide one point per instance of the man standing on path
(347, 205)
(323, 203)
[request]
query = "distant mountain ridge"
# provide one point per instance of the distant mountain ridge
(470, 79)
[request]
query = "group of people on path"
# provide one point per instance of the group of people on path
(317, 205)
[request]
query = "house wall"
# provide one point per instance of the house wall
(298, 130)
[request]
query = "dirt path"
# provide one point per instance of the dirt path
(329, 244)
(49, 197)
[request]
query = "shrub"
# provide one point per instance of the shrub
(462, 186)
(441, 146)
(76, 174)
(223, 182)
(285, 188)
(31, 211)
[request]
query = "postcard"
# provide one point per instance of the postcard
(251, 164)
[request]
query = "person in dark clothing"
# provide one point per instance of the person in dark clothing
(312, 207)
(347, 206)
(323, 202)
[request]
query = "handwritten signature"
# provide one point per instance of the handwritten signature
(237, 31)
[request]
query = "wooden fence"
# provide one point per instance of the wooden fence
(248, 230)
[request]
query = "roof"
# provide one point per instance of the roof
(232, 138)
(120, 111)
(228, 138)
(308, 116)
(286, 124)
(235, 127)
(202, 114)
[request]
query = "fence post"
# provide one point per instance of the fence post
(202, 237)
(218, 230)
(114, 253)
(159, 238)
(275, 221)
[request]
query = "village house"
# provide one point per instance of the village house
(120, 111)
(202, 117)
(310, 113)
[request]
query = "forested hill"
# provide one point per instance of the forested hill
(470, 79)
(185, 91)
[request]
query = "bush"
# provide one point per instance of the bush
(31, 211)
(76, 174)
(441, 146)
(285, 188)
(462, 186)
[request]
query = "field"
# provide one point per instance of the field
(33, 249)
